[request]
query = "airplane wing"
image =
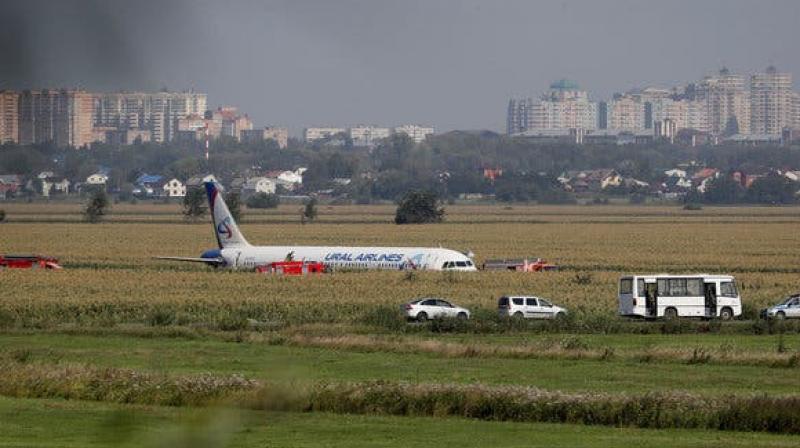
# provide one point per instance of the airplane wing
(212, 261)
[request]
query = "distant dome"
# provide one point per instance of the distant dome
(564, 84)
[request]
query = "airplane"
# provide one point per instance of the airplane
(235, 252)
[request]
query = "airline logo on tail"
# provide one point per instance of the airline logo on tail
(224, 228)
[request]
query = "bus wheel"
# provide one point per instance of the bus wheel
(726, 314)
(670, 313)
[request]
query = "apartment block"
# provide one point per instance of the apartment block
(9, 117)
(771, 102)
(564, 106)
(157, 112)
(62, 117)
(279, 135)
(368, 135)
(314, 134)
(727, 103)
(416, 132)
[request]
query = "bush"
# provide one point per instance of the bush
(263, 200)
(693, 206)
(2, 215)
(97, 206)
(194, 204)
(419, 207)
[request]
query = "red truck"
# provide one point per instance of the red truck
(28, 262)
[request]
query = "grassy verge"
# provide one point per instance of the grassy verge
(68, 424)
(280, 359)
(492, 403)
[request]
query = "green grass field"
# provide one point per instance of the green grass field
(114, 306)
(66, 424)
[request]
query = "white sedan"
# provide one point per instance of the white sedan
(430, 308)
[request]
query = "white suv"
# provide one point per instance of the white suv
(430, 308)
(528, 307)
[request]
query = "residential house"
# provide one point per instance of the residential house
(174, 188)
(10, 184)
(198, 181)
(256, 185)
(55, 185)
(792, 175)
(97, 179)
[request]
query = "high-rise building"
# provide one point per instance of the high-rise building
(233, 123)
(520, 115)
(796, 110)
(727, 103)
(9, 117)
(626, 113)
(565, 106)
(157, 112)
(63, 117)
(771, 105)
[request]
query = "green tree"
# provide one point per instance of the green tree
(194, 204)
(723, 190)
(263, 200)
(309, 211)
(772, 189)
(419, 207)
(96, 207)
(234, 201)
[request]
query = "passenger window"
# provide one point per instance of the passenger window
(517, 301)
(727, 289)
(677, 287)
(625, 286)
(429, 303)
(545, 303)
(461, 264)
(640, 287)
(469, 263)
(530, 302)
(444, 304)
(694, 287)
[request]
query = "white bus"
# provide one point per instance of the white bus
(671, 296)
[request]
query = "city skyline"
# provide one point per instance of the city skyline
(450, 64)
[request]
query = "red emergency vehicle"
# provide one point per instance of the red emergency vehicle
(28, 262)
(292, 268)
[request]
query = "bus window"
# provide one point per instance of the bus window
(677, 287)
(694, 287)
(727, 289)
(626, 286)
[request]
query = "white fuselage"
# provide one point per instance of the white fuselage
(355, 258)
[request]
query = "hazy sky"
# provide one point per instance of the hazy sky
(452, 64)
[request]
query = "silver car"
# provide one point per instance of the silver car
(789, 308)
